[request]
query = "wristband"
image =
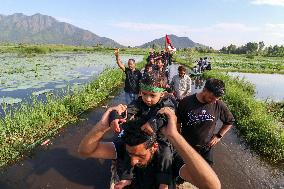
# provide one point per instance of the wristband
(113, 115)
(218, 135)
(159, 121)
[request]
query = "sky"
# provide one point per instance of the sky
(214, 23)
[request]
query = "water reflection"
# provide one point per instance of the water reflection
(268, 86)
(198, 81)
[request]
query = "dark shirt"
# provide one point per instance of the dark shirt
(208, 67)
(139, 109)
(164, 73)
(151, 177)
(132, 81)
(199, 119)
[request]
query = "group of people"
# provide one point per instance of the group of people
(202, 65)
(163, 137)
(157, 64)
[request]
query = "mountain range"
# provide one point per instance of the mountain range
(177, 42)
(43, 29)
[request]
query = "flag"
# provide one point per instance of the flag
(168, 44)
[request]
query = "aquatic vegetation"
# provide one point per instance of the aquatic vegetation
(236, 63)
(261, 129)
(20, 73)
(37, 93)
(29, 50)
(10, 100)
(29, 125)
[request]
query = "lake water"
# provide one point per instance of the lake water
(21, 77)
(268, 86)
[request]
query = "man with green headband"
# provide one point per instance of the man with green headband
(146, 107)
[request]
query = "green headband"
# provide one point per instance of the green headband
(151, 88)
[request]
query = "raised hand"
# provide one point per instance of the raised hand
(116, 52)
(105, 118)
(171, 127)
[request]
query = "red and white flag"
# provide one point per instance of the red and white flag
(168, 44)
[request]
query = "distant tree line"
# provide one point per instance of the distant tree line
(253, 48)
(201, 49)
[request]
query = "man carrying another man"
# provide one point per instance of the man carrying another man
(142, 150)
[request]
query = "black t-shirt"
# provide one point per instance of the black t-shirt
(132, 81)
(141, 110)
(199, 119)
(151, 177)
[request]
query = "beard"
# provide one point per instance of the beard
(141, 166)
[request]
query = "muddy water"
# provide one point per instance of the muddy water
(59, 166)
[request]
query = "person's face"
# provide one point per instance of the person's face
(159, 64)
(152, 61)
(131, 65)
(139, 155)
(151, 98)
(209, 97)
(148, 69)
(181, 73)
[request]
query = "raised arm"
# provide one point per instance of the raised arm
(92, 146)
(118, 60)
(196, 170)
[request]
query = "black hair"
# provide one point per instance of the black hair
(182, 68)
(148, 65)
(133, 135)
(154, 79)
(216, 86)
(131, 59)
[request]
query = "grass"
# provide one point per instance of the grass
(30, 50)
(235, 63)
(277, 108)
(23, 129)
(260, 128)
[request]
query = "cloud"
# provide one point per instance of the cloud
(276, 30)
(238, 27)
(274, 26)
(179, 29)
(151, 27)
(268, 2)
(62, 19)
(215, 35)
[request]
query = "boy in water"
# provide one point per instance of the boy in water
(144, 111)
